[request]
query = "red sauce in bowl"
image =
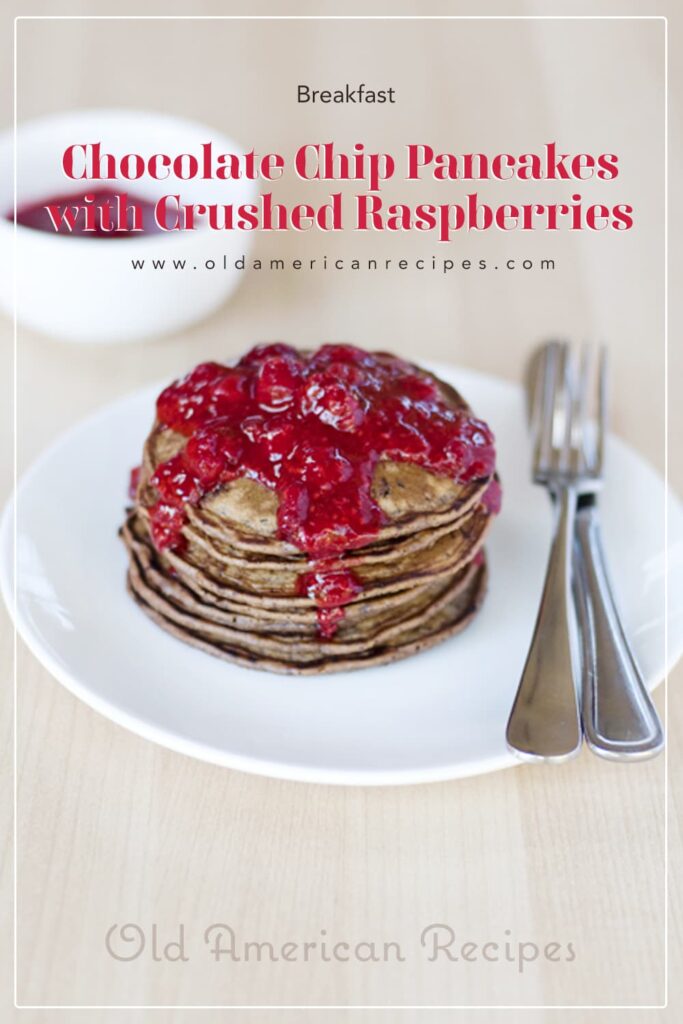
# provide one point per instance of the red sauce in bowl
(97, 213)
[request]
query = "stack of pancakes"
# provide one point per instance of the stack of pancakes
(233, 587)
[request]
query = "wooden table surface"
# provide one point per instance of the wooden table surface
(113, 829)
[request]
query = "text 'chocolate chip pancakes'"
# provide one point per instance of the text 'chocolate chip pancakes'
(308, 512)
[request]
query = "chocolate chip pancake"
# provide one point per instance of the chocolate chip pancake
(309, 512)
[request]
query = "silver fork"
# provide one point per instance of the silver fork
(544, 723)
(619, 719)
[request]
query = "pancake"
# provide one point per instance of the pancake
(362, 617)
(245, 512)
(278, 578)
(311, 512)
(442, 621)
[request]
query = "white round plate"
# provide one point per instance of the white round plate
(437, 715)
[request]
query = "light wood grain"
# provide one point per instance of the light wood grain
(112, 828)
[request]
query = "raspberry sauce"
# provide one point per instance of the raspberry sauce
(312, 428)
(104, 213)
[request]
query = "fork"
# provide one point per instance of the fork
(544, 723)
(619, 719)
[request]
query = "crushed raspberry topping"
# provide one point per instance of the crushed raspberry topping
(311, 427)
(492, 498)
(133, 481)
(331, 588)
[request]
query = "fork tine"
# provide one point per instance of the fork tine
(563, 413)
(535, 389)
(544, 407)
(601, 419)
(580, 458)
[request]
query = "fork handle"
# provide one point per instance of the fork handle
(619, 719)
(544, 722)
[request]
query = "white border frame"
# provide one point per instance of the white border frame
(351, 17)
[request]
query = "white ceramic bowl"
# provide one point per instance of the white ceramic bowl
(84, 289)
